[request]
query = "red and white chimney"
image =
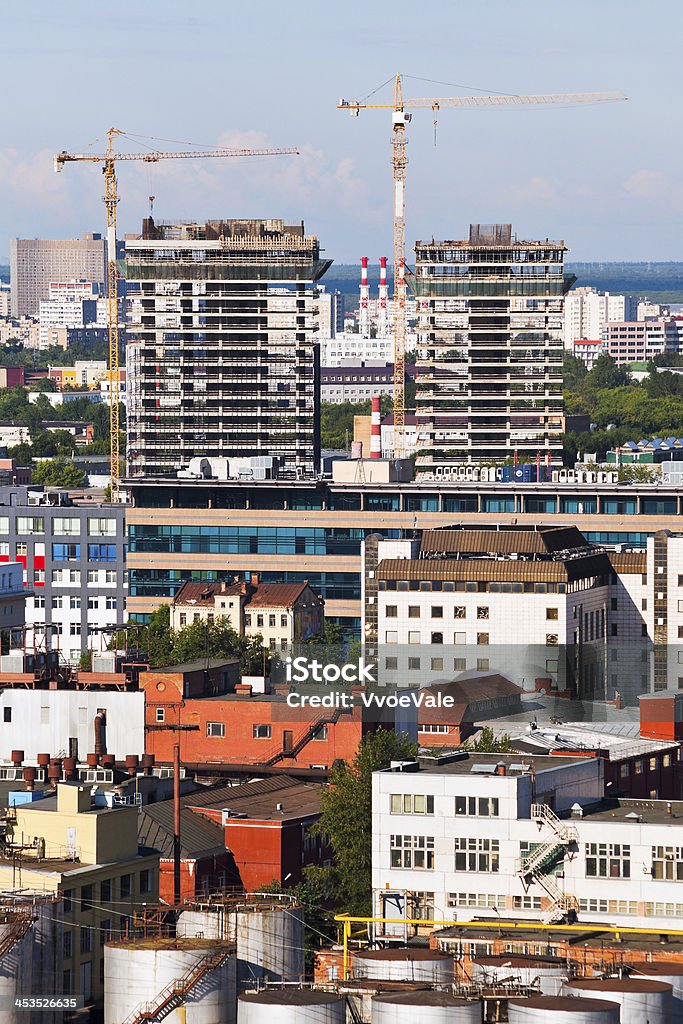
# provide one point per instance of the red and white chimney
(364, 316)
(383, 310)
(375, 430)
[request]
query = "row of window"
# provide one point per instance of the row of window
(73, 602)
(459, 664)
(91, 897)
(417, 803)
(478, 587)
(62, 526)
(482, 639)
(259, 732)
(72, 553)
(459, 612)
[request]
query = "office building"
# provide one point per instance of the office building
(359, 382)
(73, 560)
(222, 357)
(36, 262)
(69, 304)
(505, 836)
(489, 348)
(642, 341)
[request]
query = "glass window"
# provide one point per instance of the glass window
(30, 524)
(66, 526)
(101, 527)
(215, 729)
(101, 552)
(66, 552)
(262, 732)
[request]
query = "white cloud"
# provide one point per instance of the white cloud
(534, 191)
(647, 184)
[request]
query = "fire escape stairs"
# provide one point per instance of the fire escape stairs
(305, 737)
(174, 994)
(537, 865)
(15, 934)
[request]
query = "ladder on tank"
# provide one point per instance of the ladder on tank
(174, 994)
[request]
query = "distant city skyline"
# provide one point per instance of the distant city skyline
(606, 179)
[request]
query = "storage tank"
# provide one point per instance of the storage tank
(544, 973)
(268, 933)
(290, 1006)
(136, 971)
(641, 1000)
(563, 1010)
(404, 964)
(425, 1006)
(660, 970)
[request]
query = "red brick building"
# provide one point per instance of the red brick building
(476, 699)
(248, 728)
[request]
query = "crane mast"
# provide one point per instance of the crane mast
(108, 159)
(400, 119)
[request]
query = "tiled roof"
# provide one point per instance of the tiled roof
(204, 592)
(276, 595)
(543, 541)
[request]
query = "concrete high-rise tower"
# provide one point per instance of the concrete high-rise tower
(489, 364)
(36, 263)
(222, 355)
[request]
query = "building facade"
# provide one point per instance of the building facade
(74, 564)
(36, 262)
(222, 357)
(489, 348)
(501, 837)
(642, 341)
(587, 312)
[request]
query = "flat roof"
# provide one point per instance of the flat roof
(463, 763)
(633, 812)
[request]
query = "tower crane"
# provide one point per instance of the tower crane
(401, 117)
(109, 159)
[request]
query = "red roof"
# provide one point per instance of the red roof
(198, 592)
(466, 691)
(276, 595)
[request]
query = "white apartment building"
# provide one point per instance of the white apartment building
(35, 262)
(530, 604)
(5, 299)
(355, 349)
(69, 304)
(588, 350)
(586, 311)
(521, 837)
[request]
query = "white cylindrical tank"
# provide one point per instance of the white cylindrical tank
(544, 973)
(563, 1010)
(425, 1006)
(269, 935)
(404, 964)
(290, 1006)
(640, 999)
(137, 970)
(661, 970)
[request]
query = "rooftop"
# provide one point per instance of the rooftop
(200, 665)
(199, 836)
(259, 800)
(473, 763)
(493, 570)
(634, 812)
(544, 541)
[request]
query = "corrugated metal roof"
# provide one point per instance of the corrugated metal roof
(628, 561)
(543, 541)
(491, 570)
(193, 592)
(199, 837)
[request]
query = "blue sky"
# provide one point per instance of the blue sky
(607, 179)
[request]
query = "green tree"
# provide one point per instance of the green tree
(606, 374)
(573, 370)
(346, 815)
(486, 742)
(58, 473)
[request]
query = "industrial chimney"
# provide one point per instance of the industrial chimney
(375, 430)
(364, 315)
(383, 307)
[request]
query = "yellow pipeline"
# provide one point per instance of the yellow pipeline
(347, 920)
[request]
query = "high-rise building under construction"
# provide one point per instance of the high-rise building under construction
(489, 360)
(222, 354)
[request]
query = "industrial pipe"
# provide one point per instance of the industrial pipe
(176, 824)
(100, 721)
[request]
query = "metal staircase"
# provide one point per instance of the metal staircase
(305, 737)
(15, 934)
(537, 865)
(174, 994)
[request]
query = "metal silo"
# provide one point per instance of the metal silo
(404, 964)
(661, 970)
(563, 1010)
(194, 979)
(425, 1006)
(544, 973)
(290, 1006)
(641, 1000)
(268, 933)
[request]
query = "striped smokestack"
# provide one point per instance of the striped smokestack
(364, 317)
(375, 430)
(383, 311)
